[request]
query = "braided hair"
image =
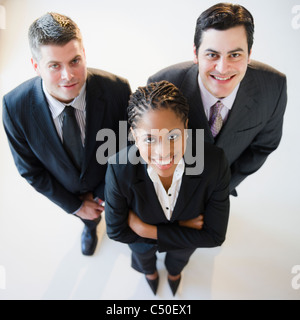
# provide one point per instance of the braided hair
(156, 96)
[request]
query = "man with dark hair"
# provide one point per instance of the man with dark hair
(52, 121)
(239, 104)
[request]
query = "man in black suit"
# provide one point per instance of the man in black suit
(239, 104)
(52, 122)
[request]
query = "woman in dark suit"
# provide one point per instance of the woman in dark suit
(152, 203)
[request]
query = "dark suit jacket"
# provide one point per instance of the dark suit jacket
(254, 127)
(37, 149)
(128, 186)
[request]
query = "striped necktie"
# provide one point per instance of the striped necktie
(216, 120)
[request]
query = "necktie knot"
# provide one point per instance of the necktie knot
(69, 110)
(219, 106)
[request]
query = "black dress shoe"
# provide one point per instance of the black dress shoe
(89, 241)
(174, 285)
(153, 284)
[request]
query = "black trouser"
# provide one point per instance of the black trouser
(144, 258)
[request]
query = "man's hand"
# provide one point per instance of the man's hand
(90, 209)
(196, 223)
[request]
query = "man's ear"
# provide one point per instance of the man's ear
(249, 58)
(196, 61)
(35, 66)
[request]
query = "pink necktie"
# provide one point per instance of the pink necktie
(216, 120)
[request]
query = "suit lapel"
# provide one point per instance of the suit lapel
(43, 118)
(144, 188)
(245, 103)
(188, 188)
(96, 108)
(191, 90)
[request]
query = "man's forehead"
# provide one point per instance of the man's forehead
(65, 52)
(233, 38)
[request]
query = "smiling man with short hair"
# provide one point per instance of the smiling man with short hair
(239, 103)
(52, 121)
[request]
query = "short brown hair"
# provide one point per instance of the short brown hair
(52, 28)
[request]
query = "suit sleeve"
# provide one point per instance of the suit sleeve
(264, 143)
(216, 215)
(116, 211)
(32, 169)
(123, 97)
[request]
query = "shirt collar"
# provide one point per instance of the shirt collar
(179, 171)
(57, 107)
(209, 100)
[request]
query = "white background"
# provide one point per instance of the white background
(40, 244)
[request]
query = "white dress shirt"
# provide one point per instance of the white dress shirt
(56, 107)
(168, 199)
(209, 100)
